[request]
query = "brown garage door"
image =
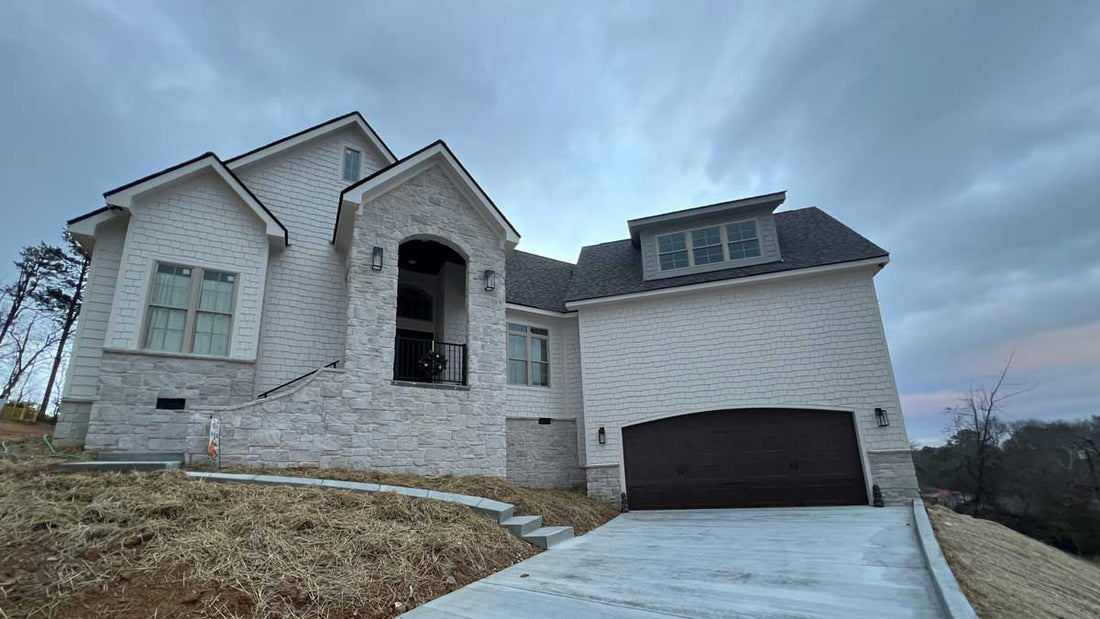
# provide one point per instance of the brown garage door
(744, 458)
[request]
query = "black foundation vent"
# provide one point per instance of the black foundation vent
(171, 404)
(544, 421)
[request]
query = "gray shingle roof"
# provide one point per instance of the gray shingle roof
(807, 238)
(537, 281)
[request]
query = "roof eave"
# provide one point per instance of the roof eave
(875, 261)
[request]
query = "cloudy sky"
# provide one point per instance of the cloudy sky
(963, 137)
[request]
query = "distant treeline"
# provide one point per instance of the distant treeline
(1041, 479)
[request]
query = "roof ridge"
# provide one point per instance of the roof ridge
(253, 151)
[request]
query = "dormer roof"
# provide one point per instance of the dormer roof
(767, 201)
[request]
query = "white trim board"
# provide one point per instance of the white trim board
(541, 312)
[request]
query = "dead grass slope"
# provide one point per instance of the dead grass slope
(140, 545)
(573, 508)
(1006, 574)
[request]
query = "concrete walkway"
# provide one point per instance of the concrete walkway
(803, 562)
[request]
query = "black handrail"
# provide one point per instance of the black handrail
(294, 380)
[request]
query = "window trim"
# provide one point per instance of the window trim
(192, 309)
(726, 241)
(689, 243)
(344, 165)
(686, 250)
(528, 336)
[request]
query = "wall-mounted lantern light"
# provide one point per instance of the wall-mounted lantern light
(490, 280)
(601, 435)
(376, 259)
(882, 417)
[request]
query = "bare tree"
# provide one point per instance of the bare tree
(28, 342)
(37, 264)
(62, 299)
(977, 418)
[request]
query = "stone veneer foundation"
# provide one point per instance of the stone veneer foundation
(543, 455)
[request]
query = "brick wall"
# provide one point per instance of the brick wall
(803, 341)
(199, 221)
(304, 322)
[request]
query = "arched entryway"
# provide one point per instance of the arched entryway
(757, 457)
(431, 314)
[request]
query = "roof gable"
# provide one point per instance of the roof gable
(352, 119)
(123, 197)
(397, 173)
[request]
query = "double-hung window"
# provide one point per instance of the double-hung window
(743, 240)
(713, 245)
(190, 310)
(528, 355)
(352, 161)
(672, 251)
(706, 245)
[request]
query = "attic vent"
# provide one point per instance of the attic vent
(172, 404)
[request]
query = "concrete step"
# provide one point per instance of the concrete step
(496, 510)
(548, 537)
(120, 465)
(130, 456)
(522, 525)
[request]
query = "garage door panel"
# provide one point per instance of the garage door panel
(748, 457)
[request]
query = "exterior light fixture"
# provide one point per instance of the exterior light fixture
(490, 280)
(602, 436)
(882, 417)
(376, 259)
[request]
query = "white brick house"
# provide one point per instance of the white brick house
(333, 305)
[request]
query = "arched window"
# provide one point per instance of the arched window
(414, 303)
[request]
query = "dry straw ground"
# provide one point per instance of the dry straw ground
(571, 508)
(1006, 574)
(140, 545)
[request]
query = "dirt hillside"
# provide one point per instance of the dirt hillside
(1006, 574)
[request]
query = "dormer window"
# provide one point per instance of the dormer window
(743, 240)
(672, 251)
(706, 245)
(713, 245)
(352, 161)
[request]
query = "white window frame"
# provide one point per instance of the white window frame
(726, 241)
(686, 250)
(344, 165)
(688, 237)
(528, 335)
(192, 309)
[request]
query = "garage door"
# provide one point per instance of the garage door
(744, 458)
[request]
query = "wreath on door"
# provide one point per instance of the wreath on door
(432, 363)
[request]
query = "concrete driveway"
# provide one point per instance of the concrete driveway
(790, 562)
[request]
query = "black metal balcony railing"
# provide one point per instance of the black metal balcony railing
(429, 361)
